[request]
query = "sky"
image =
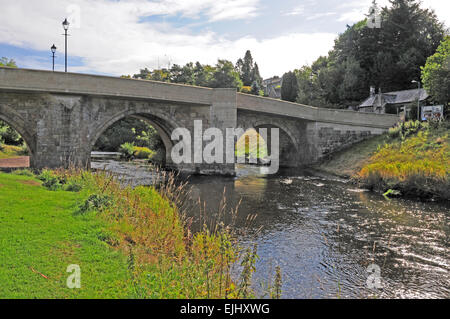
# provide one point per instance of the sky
(120, 37)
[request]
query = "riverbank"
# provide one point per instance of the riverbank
(129, 243)
(411, 160)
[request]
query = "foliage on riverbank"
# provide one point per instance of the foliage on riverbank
(411, 158)
(137, 237)
(416, 162)
(11, 151)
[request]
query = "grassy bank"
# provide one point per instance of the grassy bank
(413, 159)
(40, 236)
(129, 243)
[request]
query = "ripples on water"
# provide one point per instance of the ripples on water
(323, 233)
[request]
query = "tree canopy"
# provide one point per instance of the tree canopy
(289, 88)
(388, 57)
(436, 73)
(8, 62)
(222, 75)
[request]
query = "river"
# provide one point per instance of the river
(324, 233)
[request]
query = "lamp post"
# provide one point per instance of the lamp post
(53, 48)
(418, 100)
(65, 25)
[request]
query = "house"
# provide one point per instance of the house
(392, 102)
(272, 87)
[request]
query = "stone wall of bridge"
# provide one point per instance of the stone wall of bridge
(61, 116)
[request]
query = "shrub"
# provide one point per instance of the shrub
(73, 186)
(49, 180)
(246, 89)
(96, 202)
(143, 152)
(127, 150)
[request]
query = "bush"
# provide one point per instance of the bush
(246, 89)
(97, 202)
(127, 150)
(405, 129)
(73, 186)
(50, 180)
(143, 152)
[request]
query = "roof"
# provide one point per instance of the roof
(272, 81)
(396, 97)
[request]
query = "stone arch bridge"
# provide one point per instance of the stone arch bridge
(61, 116)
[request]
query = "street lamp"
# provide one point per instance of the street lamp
(418, 100)
(53, 48)
(65, 25)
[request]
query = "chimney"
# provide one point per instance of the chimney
(372, 91)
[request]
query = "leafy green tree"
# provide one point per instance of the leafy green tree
(203, 74)
(248, 70)
(8, 62)
(129, 130)
(226, 76)
(289, 88)
(436, 73)
(388, 57)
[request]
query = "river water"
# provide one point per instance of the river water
(325, 233)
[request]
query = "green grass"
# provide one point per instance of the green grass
(413, 158)
(129, 243)
(418, 165)
(38, 229)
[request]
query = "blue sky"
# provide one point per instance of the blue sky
(119, 37)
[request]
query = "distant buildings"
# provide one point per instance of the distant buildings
(272, 87)
(392, 102)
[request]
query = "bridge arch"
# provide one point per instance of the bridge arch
(162, 124)
(288, 141)
(18, 124)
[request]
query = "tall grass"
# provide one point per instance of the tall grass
(166, 258)
(418, 164)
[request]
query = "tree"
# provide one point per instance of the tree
(436, 73)
(8, 62)
(248, 70)
(289, 88)
(388, 57)
(226, 76)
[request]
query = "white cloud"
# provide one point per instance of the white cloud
(320, 15)
(112, 38)
(298, 10)
(357, 10)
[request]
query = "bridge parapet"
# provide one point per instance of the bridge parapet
(26, 80)
(315, 114)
